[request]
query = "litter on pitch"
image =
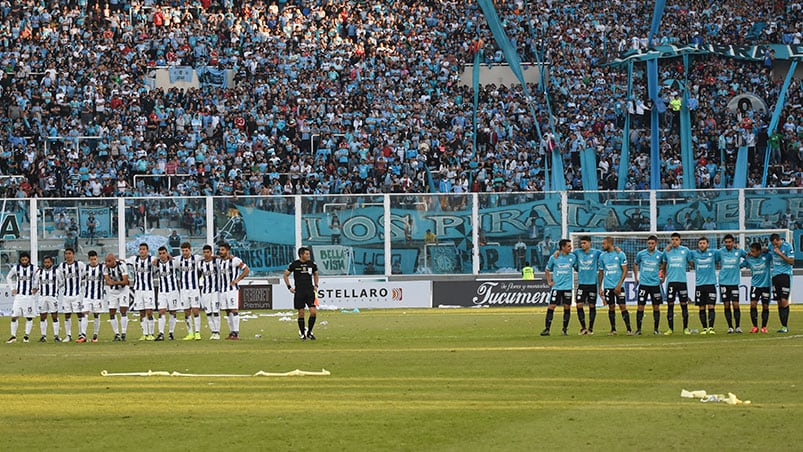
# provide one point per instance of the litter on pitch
(704, 397)
(349, 311)
(261, 373)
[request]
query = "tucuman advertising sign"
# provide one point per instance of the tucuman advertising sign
(533, 292)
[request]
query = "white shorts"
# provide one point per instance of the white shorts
(95, 306)
(229, 300)
(168, 301)
(24, 306)
(210, 302)
(48, 304)
(143, 300)
(119, 300)
(71, 304)
(189, 299)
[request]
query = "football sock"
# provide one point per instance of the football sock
(612, 319)
(737, 316)
(124, 323)
(639, 319)
(172, 323)
(235, 322)
(626, 318)
(310, 323)
(592, 316)
(197, 322)
(151, 325)
(670, 315)
(703, 319)
(765, 315)
(581, 317)
(550, 313)
(567, 315)
(216, 321)
(56, 326)
(83, 324)
(43, 327)
(68, 326)
(162, 322)
(712, 315)
(96, 323)
(783, 313)
(301, 325)
(210, 321)
(656, 319)
(684, 308)
(230, 321)
(729, 316)
(754, 315)
(143, 323)
(188, 321)
(14, 325)
(115, 327)
(28, 326)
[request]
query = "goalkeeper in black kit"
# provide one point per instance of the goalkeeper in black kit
(305, 277)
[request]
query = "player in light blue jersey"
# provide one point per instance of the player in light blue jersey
(759, 263)
(560, 276)
(611, 276)
(646, 273)
(673, 264)
(729, 278)
(705, 280)
(587, 262)
(783, 258)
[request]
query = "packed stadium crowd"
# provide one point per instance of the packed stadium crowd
(334, 97)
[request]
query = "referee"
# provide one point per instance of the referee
(305, 276)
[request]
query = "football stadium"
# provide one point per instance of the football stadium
(400, 225)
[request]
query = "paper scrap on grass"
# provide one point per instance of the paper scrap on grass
(277, 314)
(261, 373)
(704, 397)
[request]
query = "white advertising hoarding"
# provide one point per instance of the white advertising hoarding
(349, 294)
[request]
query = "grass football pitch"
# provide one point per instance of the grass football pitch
(460, 379)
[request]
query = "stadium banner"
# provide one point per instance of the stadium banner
(212, 76)
(630, 290)
(103, 221)
(264, 257)
(332, 259)
(180, 74)
(369, 261)
(500, 293)
(362, 294)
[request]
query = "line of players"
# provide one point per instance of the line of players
(603, 272)
(148, 284)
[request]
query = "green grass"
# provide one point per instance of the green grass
(464, 380)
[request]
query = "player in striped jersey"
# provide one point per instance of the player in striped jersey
(22, 278)
(48, 298)
(188, 266)
(115, 272)
(232, 271)
(210, 291)
(167, 300)
(144, 298)
(94, 296)
(71, 280)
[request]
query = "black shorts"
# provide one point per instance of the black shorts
(729, 294)
(705, 295)
(653, 292)
(610, 298)
(561, 297)
(677, 291)
(586, 293)
(761, 294)
(781, 287)
(303, 300)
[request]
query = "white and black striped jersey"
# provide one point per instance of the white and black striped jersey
(210, 276)
(188, 270)
(116, 273)
(229, 271)
(23, 278)
(71, 278)
(48, 282)
(143, 272)
(166, 272)
(95, 282)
